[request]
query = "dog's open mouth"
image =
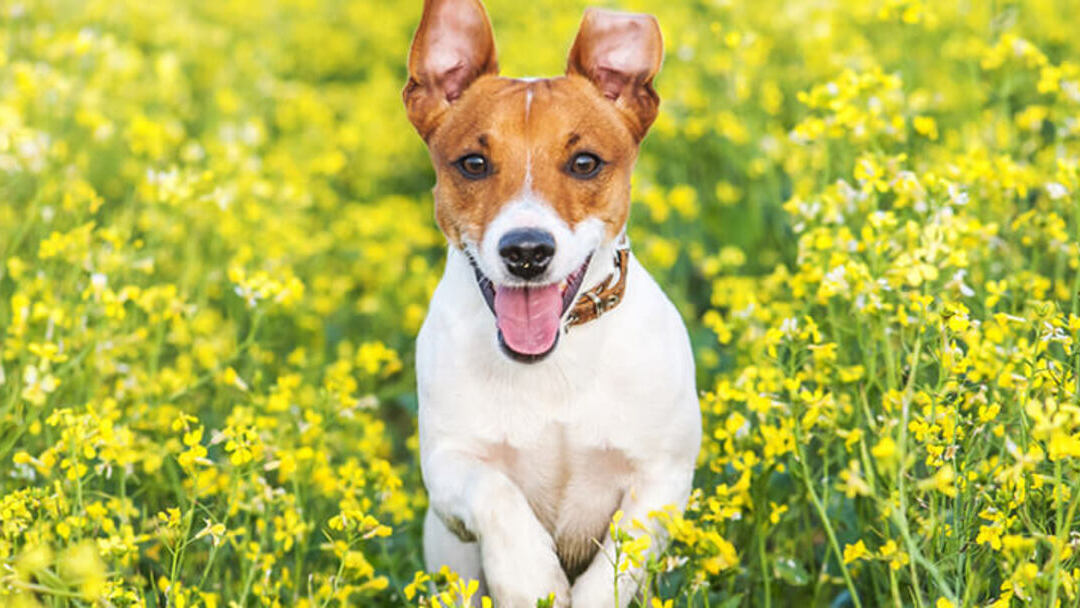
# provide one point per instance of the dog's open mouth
(528, 318)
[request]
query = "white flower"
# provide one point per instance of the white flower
(1056, 191)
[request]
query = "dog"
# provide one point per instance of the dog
(555, 378)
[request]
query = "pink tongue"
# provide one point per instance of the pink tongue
(528, 317)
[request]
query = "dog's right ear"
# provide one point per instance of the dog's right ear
(621, 54)
(453, 46)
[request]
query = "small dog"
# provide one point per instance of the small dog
(556, 380)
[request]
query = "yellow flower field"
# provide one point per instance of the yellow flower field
(217, 246)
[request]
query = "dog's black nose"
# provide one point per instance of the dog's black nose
(527, 251)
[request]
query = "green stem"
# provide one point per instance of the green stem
(824, 517)
(615, 584)
(764, 566)
(178, 554)
(894, 588)
(337, 577)
(14, 582)
(78, 478)
(215, 545)
(1064, 523)
(900, 516)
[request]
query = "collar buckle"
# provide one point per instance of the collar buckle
(604, 296)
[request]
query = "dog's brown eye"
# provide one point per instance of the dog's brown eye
(585, 165)
(473, 166)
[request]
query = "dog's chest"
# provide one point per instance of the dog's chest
(572, 488)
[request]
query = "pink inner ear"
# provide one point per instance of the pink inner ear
(616, 50)
(453, 46)
(449, 72)
(454, 83)
(610, 82)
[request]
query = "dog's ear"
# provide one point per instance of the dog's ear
(453, 46)
(621, 53)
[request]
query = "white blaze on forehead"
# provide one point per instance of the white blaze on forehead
(527, 186)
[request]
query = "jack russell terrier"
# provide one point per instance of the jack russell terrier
(556, 380)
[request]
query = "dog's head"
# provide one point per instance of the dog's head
(533, 176)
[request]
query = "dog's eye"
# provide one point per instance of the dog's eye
(584, 165)
(473, 166)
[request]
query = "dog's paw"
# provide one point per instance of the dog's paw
(595, 589)
(530, 593)
(521, 573)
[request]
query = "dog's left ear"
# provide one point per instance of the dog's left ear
(453, 46)
(621, 54)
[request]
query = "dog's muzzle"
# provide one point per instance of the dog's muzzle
(529, 318)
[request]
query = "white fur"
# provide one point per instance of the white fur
(522, 459)
(572, 245)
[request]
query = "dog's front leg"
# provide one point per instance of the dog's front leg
(478, 502)
(656, 488)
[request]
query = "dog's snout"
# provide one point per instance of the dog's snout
(527, 251)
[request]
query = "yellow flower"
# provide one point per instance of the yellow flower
(170, 517)
(885, 451)
(891, 553)
(855, 552)
(925, 126)
(82, 565)
(420, 578)
(944, 481)
(776, 511)
(990, 535)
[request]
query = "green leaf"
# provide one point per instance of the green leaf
(790, 571)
